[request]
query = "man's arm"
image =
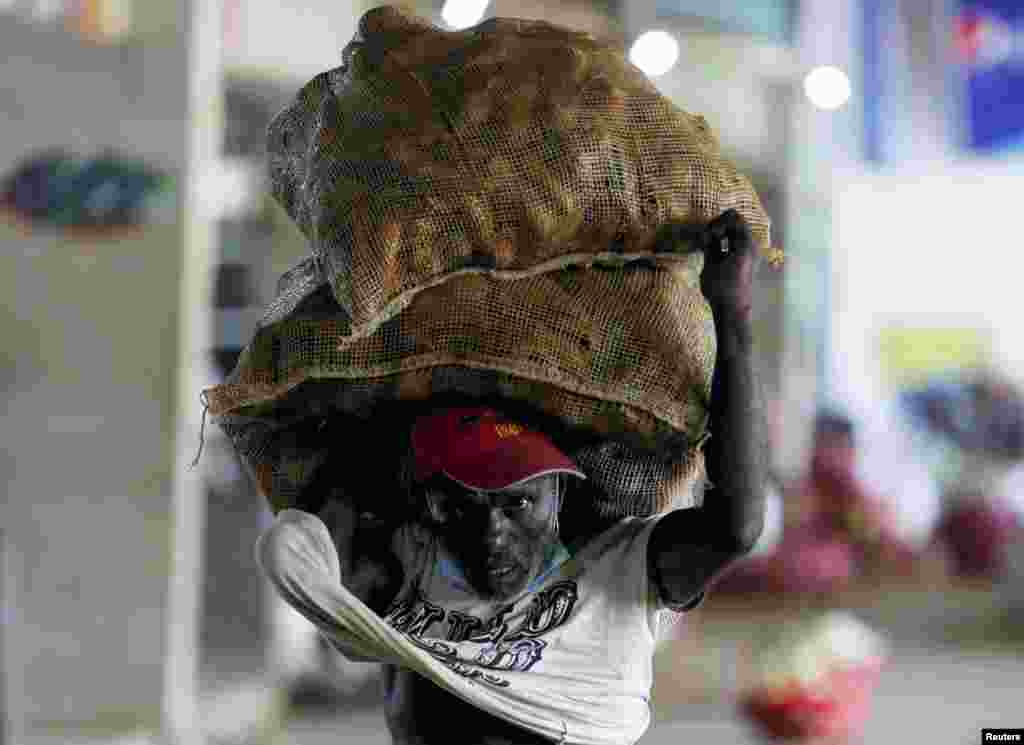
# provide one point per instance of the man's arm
(688, 547)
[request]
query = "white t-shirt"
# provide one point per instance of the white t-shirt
(570, 658)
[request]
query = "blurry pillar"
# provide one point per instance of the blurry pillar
(204, 126)
(4, 621)
(99, 510)
(234, 627)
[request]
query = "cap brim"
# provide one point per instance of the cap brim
(495, 484)
(515, 462)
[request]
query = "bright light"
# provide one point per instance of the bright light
(460, 14)
(654, 52)
(827, 87)
(230, 187)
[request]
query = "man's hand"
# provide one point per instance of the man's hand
(729, 261)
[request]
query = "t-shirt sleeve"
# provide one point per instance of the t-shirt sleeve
(298, 556)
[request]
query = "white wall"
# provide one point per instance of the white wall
(930, 246)
(728, 80)
(291, 41)
(927, 246)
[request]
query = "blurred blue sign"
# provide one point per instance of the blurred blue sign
(988, 40)
(771, 18)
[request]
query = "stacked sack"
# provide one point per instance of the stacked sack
(509, 213)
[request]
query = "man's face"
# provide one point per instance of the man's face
(500, 537)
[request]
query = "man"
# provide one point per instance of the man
(497, 625)
(842, 509)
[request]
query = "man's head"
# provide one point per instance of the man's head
(834, 448)
(834, 463)
(495, 489)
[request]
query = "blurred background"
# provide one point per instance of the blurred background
(139, 244)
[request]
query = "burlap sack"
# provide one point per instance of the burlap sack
(513, 147)
(614, 363)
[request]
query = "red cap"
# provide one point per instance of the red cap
(479, 449)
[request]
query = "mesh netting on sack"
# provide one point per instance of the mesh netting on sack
(513, 147)
(614, 363)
